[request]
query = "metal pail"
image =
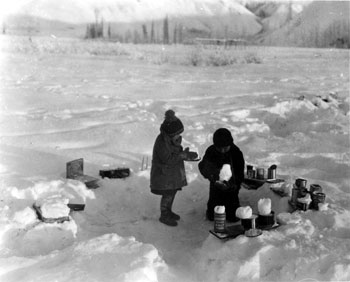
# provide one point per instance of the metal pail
(260, 173)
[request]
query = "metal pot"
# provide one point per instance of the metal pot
(317, 198)
(300, 182)
(315, 188)
(271, 173)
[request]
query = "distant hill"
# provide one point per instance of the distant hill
(263, 22)
(128, 11)
(320, 24)
(28, 25)
(196, 18)
(275, 14)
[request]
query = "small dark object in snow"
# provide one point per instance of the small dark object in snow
(231, 232)
(269, 227)
(266, 220)
(115, 173)
(253, 183)
(301, 182)
(315, 188)
(317, 198)
(76, 207)
(75, 170)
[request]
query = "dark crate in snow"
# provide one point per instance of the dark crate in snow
(75, 170)
(115, 173)
(76, 207)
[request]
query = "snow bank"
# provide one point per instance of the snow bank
(306, 245)
(295, 251)
(52, 249)
(22, 233)
(75, 191)
(104, 258)
(285, 107)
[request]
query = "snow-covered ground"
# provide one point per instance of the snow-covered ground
(291, 110)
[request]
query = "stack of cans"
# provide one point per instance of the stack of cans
(299, 191)
(317, 196)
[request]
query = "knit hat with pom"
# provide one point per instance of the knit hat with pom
(171, 125)
(222, 138)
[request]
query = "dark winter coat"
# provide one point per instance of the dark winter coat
(168, 168)
(213, 161)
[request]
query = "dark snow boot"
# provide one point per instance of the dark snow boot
(166, 215)
(174, 215)
(167, 220)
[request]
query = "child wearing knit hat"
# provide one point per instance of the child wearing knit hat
(218, 158)
(168, 169)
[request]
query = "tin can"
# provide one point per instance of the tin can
(219, 222)
(271, 173)
(260, 173)
(251, 174)
(300, 182)
(295, 194)
(315, 188)
(317, 198)
(249, 167)
(303, 206)
(249, 223)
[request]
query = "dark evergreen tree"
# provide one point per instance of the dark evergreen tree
(166, 30)
(152, 33)
(109, 31)
(95, 30)
(180, 30)
(175, 35)
(145, 34)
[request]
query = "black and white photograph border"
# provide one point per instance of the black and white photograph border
(154, 98)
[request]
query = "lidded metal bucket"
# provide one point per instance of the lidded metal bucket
(301, 182)
(271, 172)
(250, 172)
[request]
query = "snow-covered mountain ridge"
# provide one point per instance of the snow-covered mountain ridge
(79, 11)
(245, 18)
(271, 22)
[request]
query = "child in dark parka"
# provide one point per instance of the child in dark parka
(168, 169)
(223, 193)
